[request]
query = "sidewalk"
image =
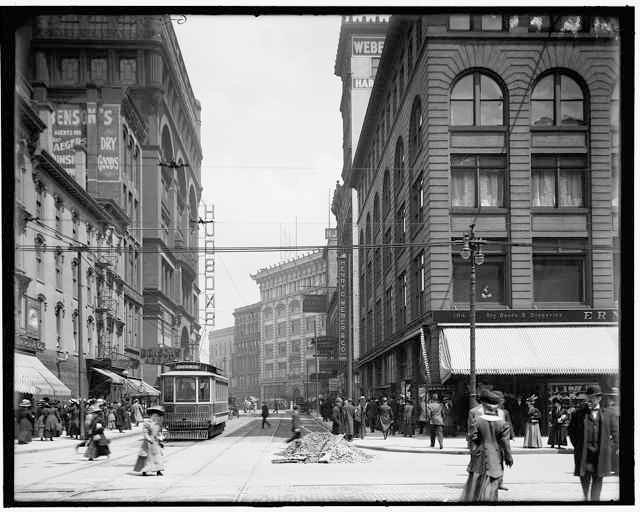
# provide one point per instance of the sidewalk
(421, 443)
(64, 442)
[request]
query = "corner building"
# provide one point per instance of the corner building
(509, 123)
(126, 121)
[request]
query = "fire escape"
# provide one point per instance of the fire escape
(107, 306)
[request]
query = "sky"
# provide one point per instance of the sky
(271, 137)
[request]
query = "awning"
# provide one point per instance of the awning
(141, 388)
(31, 376)
(556, 350)
(114, 377)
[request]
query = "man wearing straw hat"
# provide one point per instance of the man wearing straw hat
(592, 431)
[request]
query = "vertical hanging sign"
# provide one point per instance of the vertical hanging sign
(209, 267)
(342, 306)
(108, 142)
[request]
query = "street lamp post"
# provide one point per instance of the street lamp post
(472, 249)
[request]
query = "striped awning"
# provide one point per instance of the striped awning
(556, 350)
(32, 376)
(114, 377)
(139, 387)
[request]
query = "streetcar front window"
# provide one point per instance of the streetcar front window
(185, 389)
(167, 389)
(204, 393)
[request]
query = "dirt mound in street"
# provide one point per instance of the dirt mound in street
(322, 447)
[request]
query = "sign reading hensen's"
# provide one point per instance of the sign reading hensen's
(529, 316)
(68, 134)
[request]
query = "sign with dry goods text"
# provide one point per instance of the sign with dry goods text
(108, 142)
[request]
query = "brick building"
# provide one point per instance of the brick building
(509, 123)
(245, 352)
(121, 84)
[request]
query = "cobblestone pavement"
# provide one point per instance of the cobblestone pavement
(237, 467)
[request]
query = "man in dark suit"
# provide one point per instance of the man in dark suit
(593, 431)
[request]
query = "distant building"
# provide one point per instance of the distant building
(245, 354)
(220, 350)
(287, 366)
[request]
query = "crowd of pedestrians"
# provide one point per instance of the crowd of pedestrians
(49, 419)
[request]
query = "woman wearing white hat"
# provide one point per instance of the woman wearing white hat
(532, 437)
(25, 420)
(150, 456)
(98, 444)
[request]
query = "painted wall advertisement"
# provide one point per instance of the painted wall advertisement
(69, 134)
(342, 307)
(108, 142)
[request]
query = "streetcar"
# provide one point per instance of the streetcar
(195, 400)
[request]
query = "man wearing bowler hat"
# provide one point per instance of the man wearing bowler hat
(593, 431)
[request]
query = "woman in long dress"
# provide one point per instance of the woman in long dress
(490, 451)
(150, 456)
(557, 417)
(407, 420)
(532, 437)
(97, 443)
(385, 417)
(24, 420)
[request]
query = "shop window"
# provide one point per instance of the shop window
(476, 100)
(557, 99)
(491, 22)
(58, 264)
(490, 277)
(559, 270)
(477, 181)
(558, 181)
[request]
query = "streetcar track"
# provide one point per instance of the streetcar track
(214, 459)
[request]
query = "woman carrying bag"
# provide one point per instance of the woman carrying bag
(150, 456)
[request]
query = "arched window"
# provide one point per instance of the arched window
(386, 192)
(415, 130)
(376, 214)
(476, 100)
(280, 310)
(398, 164)
(40, 257)
(59, 315)
(557, 99)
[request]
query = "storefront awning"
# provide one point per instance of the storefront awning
(141, 388)
(557, 350)
(114, 377)
(31, 376)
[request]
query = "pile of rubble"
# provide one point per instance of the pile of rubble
(322, 447)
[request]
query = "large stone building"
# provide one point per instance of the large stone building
(126, 125)
(508, 123)
(58, 225)
(287, 364)
(245, 353)
(221, 349)
(360, 46)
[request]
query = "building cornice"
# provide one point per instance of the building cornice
(288, 265)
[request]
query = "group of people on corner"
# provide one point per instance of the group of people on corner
(390, 416)
(593, 431)
(47, 419)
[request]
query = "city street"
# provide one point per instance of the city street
(237, 467)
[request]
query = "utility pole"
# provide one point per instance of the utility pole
(80, 344)
(472, 249)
